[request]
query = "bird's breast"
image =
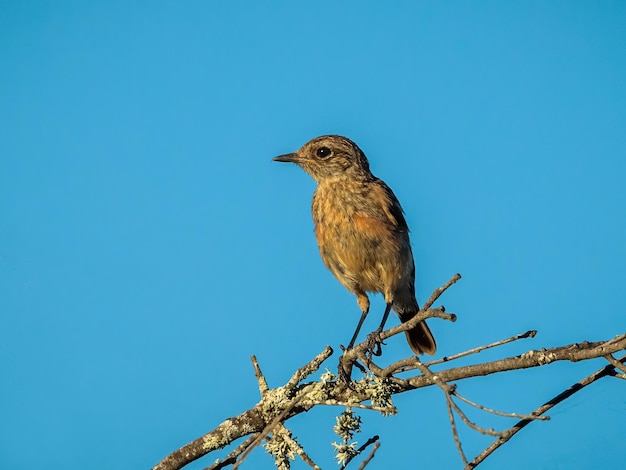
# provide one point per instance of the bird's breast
(360, 248)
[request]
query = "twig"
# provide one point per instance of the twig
(409, 363)
(307, 369)
(455, 433)
(263, 387)
(232, 457)
(286, 435)
(528, 334)
(369, 442)
(496, 412)
(448, 391)
(305, 457)
(470, 423)
(369, 457)
(437, 293)
(329, 402)
(449, 403)
(508, 434)
(269, 428)
(615, 363)
(419, 317)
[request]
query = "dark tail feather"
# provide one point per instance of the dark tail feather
(420, 339)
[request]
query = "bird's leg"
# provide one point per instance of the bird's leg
(358, 328)
(385, 316)
(364, 304)
(374, 337)
(345, 370)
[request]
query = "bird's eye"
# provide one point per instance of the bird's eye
(323, 152)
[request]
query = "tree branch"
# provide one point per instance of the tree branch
(276, 401)
(534, 358)
(507, 435)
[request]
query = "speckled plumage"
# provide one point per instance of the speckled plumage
(360, 229)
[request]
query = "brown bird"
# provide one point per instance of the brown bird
(361, 232)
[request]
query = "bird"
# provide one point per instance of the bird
(361, 232)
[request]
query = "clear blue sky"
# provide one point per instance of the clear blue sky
(149, 246)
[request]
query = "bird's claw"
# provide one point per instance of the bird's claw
(374, 342)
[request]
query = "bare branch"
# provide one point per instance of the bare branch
(419, 317)
(527, 334)
(306, 370)
(370, 457)
(263, 387)
(615, 363)
(447, 390)
(470, 423)
(455, 433)
(304, 456)
(496, 412)
(440, 290)
(410, 362)
(276, 401)
(232, 457)
(534, 358)
(508, 434)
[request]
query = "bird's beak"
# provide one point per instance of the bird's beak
(289, 157)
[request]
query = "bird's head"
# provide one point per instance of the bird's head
(328, 157)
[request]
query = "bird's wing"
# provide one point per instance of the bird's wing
(392, 210)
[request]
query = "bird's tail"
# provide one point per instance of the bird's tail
(420, 338)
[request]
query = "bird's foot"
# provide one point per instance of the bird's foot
(374, 342)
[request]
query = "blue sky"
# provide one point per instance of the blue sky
(149, 246)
